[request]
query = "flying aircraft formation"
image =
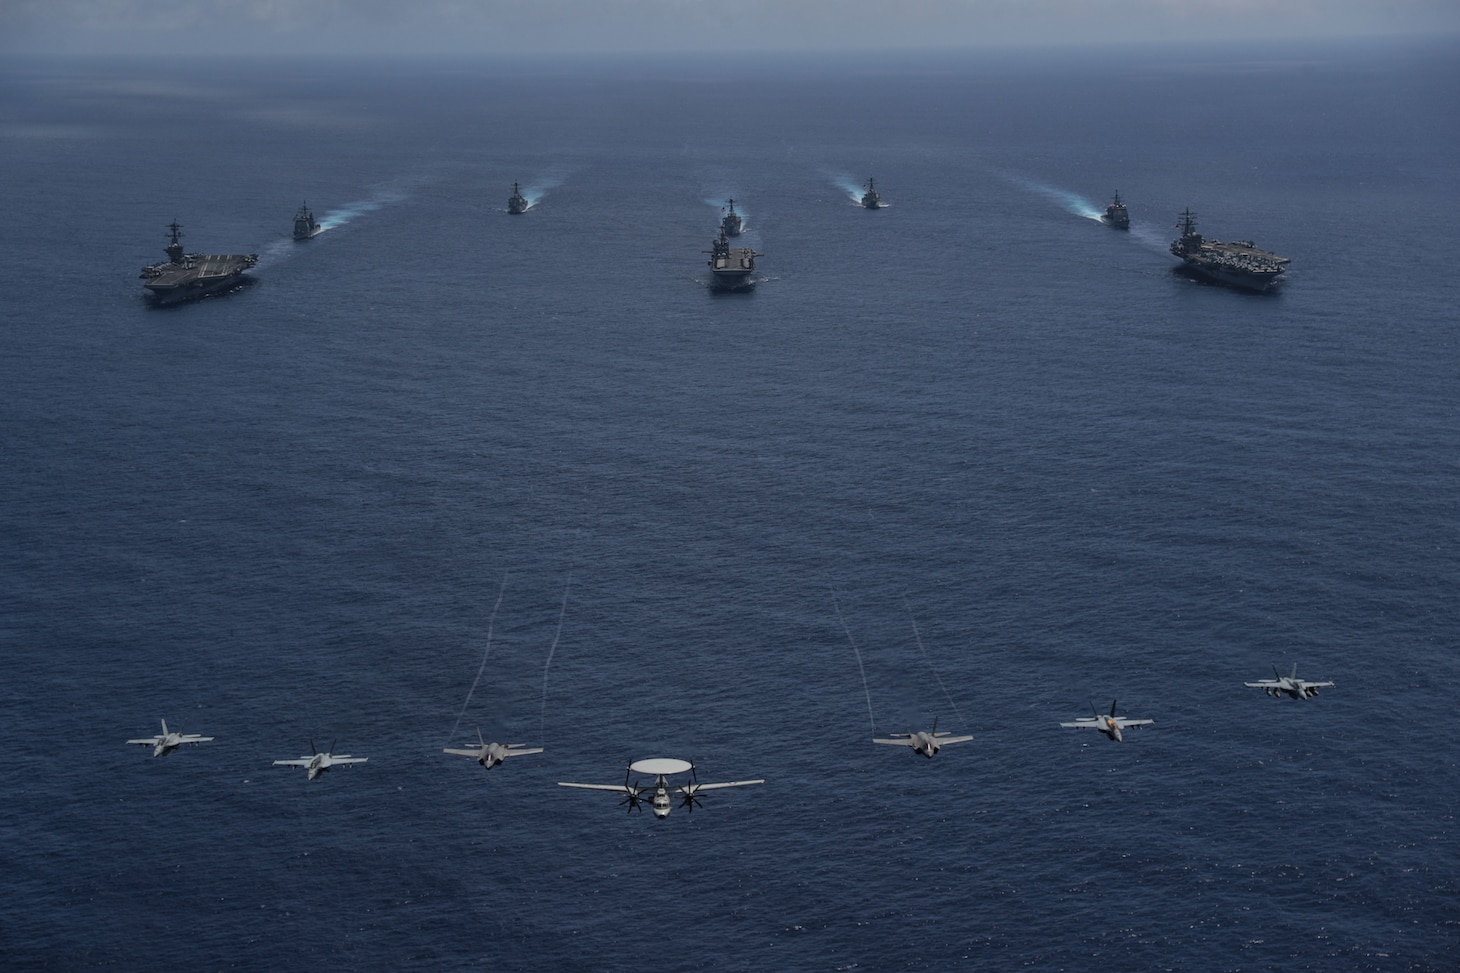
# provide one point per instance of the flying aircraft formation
(166, 742)
(1288, 685)
(662, 793)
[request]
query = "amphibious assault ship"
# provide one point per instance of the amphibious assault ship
(732, 224)
(1237, 264)
(732, 268)
(1116, 215)
(188, 276)
(872, 199)
(516, 203)
(304, 224)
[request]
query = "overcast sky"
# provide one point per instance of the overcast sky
(197, 27)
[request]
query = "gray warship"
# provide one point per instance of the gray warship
(872, 199)
(732, 224)
(188, 276)
(732, 269)
(1116, 214)
(304, 224)
(1238, 264)
(517, 203)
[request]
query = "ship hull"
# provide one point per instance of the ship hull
(193, 290)
(308, 234)
(1117, 223)
(732, 280)
(1246, 280)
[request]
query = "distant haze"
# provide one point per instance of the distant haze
(352, 27)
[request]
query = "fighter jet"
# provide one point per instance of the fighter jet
(166, 742)
(319, 762)
(923, 742)
(661, 769)
(1288, 685)
(490, 755)
(1109, 725)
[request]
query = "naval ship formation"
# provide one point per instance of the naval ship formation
(187, 276)
(1240, 264)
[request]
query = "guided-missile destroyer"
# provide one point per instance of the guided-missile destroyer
(516, 203)
(1116, 215)
(732, 224)
(304, 224)
(872, 199)
(732, 269)
(188, 276)
(1238, 264)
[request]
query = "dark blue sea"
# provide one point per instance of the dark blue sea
(972, 458)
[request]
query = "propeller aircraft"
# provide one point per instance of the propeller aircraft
(490, 755)
(659, 792)
(1288, 685)
(166, 742)
(1110, 725)
(319, 762)
(924, 742)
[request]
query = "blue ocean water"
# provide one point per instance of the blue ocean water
(975, 447)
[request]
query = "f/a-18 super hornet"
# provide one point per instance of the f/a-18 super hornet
(659, 792)
(320, 761)
(490, 755)
(1288, 685)
(1111, 725)
(166, 741)
(924, 742)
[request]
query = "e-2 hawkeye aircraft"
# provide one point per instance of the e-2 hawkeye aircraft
(490, 755)
(166, 741)
(1110, 725)
(661, 769)
(1288, 685)
(923, 742)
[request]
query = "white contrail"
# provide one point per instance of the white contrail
(919, 637)
(483, 667)
(542, 716)
(860, 667)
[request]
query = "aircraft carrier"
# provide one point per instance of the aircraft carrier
(733, 269)
(1239, 264)
(188, 276)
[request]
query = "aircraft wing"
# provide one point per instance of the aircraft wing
(1086, 722)
(716, 787)
(192, 738)
(616, 788)
(1317, 685)
(301, 762)
(905, 740)
(465, 753)
(149, 742)
(347, 759)
(522, 751)
(1263, 684)
(1122, 722)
